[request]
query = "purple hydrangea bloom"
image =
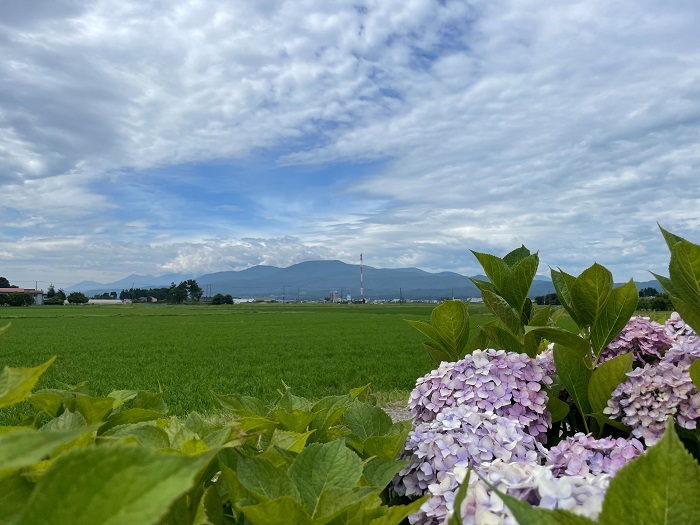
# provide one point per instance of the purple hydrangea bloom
(676, 327)
(582, 454)
(644, 338)
(657, 391)
(528, 481)
(460, 437)
(505, 383)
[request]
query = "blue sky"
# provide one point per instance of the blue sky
(199, 136)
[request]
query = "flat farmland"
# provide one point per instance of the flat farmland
(190, 351)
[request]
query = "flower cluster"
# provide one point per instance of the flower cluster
(505, 383)
(529, 481)
(463, 437)
(657, 391)
(647, 340)
(582, 454)
(677, 328)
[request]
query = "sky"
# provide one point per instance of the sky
(195, 136)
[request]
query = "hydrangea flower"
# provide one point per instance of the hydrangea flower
(582, 454)
(657, 391)
(647, 340)
(528, 481)
(505, 383)
(676, 328)
(460, 437)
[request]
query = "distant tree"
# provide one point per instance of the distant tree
(217, 299)
(228, 299)
(50, 292)
(77, 298)
(4, 298)
(648, 292)
(58, 297)
(178, 293)
(194, 290)
(4, 283)
(550, 298)
(20, 299)
(112, 295)
(661, 303)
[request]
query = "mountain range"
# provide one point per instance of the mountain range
(313, 280)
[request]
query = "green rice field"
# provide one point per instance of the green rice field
(190, 351)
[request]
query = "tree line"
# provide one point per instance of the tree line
(649, 299)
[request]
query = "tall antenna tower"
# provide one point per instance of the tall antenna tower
(362, 292)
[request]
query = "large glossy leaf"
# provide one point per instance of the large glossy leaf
(145, 434)
(684, 271)
(330, 409)
(519, 281)
(16, 384)
(451, 320)
(590, 292)
(501, 338)
(659, 487)
(574, 375)
(93, 409)
(670, 238)
(526, 514)
(380, 472)
(496, 269)
(117, 485)
(563, 283)
(14, 493)
(614, 315)
(324, 466)
(210, 509)
(282, 510)
(296, 420)
(131, 415)
(21, 448)
(695, 373)
(517, 255)
(384, 447)
(437, 346)
(264, 480)
(366, 420)
(560, 336)
(334, 502)
(503, 312)
(557, 408)
(242, 405)
(398, 513)
(606, 378)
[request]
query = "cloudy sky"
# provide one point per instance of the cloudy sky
(195, 136)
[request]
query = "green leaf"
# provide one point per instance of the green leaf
(14, 493)
(526, 514)
(540, 316)
(242, 405)
(366, 420)
(296, 420)
(150, 401)
(606, 378)
(330, 409)
(557, 408)
(16, 384)
(603, 419)
(111, 485)
(451, 320)
(501, 338)
(695, 373)
(131, 415)
(496, 269)
(483, 285)
(517, 255)
(685, 273)
(66, 421)
(361, 393)
(456, 517)
(670, 238)
(437, 342)
(563, 283)
(480, 341)
(614, 315)
(590, 292)
(384, 447)
(49, 401)
(333, 502)
(660, 486)
(282, 510)
(398, 513)
(519, 281)
(145, 434)
(122, 396)
(264, 480)
(574, 375)
(437, 353)
(22, 448)
(93, 409)
(560, 336)
(210, 509)
(380, 472)
(503, 312)
(324, 466)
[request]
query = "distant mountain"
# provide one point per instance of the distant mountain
(314, 280)
(91, 288)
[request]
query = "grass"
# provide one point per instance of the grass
(249, 349)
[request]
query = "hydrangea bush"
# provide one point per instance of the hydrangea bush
(555, 426)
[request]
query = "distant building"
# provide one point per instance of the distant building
(107, 301)
(37, 294)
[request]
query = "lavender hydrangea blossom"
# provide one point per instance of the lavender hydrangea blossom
(582, 454)
(677, 328)
(657, 391)
(505, 383)
(460, 437)
(647, 340)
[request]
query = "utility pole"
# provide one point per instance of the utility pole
(400, 295)
(284, 294)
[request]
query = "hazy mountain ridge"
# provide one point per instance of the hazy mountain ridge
(317, 279)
